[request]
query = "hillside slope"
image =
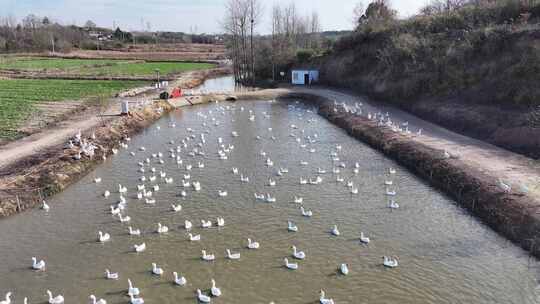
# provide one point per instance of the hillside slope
(473, 70)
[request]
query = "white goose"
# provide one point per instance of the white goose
(306, 213)
(324, 300)
(216, 292)
(7, 299)
(45, 207)
(133, 300)
(162, 229)
(97, 180)
(222, 193)
(252, 245)
(95, 301)
(103, 237)
(364, 239)
(202, 297)
(139, 248)
(132, 231)
(298, 200)
(220, 222)
(233, 256)
(176, 208)
(194, 238)
(292, 227)
(157, 270)
(344, 269)
(206, 224)
(207, 257)
(111, 275)
(393, 205)
(180, 281)
(187, 225)
(59, 299)
(107, 193)
(124, 219)
(292, 266)
(38, 265)
(390, 262)
(298, 254)
(132, 291)
(335, 231)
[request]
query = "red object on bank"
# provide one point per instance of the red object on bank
(177, 92)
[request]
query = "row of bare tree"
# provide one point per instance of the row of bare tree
(290, 33)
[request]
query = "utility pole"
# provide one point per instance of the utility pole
(52, 42)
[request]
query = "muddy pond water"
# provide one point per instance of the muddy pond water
(445, 255)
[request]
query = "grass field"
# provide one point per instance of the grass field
(18, 98)
(147, 68)
(99, 67)
(34, 63)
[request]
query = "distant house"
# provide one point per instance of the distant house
(304, 76)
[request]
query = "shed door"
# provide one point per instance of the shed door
(306, 78)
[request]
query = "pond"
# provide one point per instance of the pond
(444, 254)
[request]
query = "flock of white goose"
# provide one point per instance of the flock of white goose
(193, 146)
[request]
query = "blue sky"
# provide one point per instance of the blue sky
(182, 15)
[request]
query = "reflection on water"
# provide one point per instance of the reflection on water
(445, 255)
(222, 84)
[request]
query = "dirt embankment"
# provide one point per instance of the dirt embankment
(25, 183)
(47, 168)
(514, 215)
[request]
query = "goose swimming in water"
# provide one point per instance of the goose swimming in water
(202, 297)
(292, 227)
(292, 266)
(162, 229)
(393, 205)
(220, 222)
(132, 291)
(105, 194)
(335, 231)
(44, 206)
(187, 225)
(38, 265)
(390, 262)
(111, 275)
(364, 239)
(103, 237)
(95, 301)
(7, 299)
(139, 248)
(232, 256)
(306, 213)
(194, 238)
(252, 245)
(176, 208)
(59, 299)
(298, 254)
(132, 231)
(298, 200)
(207, 257)
(180, 281)
(216, 292)
(222, 193)
(156, 270)
(206, 224)
(324, 300)
(97, 180)
(344, 269)
(133, 300)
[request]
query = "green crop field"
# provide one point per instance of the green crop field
(99, 67)
(66, 65)
(19, 97)
(147, 68)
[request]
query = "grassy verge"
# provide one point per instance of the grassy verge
(98, 67)
(18, 98)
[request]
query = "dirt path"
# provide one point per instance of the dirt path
(514, 168)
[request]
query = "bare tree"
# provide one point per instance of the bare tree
(358, 12)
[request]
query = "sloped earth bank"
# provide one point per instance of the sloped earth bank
(472, 185)
(38, 166)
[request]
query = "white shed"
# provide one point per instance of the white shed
(304, 77)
